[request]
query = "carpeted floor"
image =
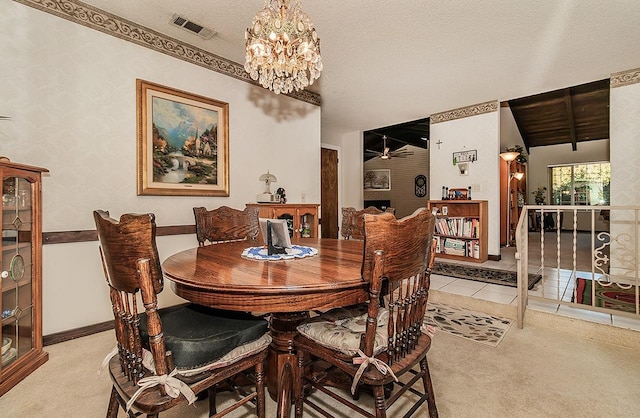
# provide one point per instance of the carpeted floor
(474, 326)
(482, 274)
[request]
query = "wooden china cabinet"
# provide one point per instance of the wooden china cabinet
(302, 217)
(21, 273)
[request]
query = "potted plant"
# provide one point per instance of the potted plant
(540, 195)
(522, 157)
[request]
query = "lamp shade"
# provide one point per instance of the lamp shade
(509, 156)
(267, 178)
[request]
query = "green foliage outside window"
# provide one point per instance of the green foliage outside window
(581, 184)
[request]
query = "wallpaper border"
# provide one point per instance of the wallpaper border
(463, 112)
(94, 18)
(625, 78)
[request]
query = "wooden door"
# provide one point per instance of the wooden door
(329, 193)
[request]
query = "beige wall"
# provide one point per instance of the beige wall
(625, 174)
(403, 173)
(625, 137)
(71, 95)
(479, 132)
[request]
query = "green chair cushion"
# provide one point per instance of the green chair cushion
(198, 336)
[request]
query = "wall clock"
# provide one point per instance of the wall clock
(421, 185)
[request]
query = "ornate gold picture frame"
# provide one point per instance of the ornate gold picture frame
(183, 143)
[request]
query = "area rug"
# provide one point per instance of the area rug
(615, 297)
(474, 326)
(482, 274)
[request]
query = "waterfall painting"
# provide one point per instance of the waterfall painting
(183, 143)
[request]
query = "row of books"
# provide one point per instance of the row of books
(460, 247)
(461, 227)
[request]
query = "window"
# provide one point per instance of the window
(581, 184)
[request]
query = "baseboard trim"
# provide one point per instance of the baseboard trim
(72, 334)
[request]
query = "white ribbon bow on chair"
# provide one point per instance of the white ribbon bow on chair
(107, 359)
(364, 362)
(173, 386)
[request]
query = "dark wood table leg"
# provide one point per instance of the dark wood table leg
(285, 392)
(283, 329)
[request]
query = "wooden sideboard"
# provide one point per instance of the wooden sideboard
(303, 216)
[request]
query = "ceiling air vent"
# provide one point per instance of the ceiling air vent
(193, 27)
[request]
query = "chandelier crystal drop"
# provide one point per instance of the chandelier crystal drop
(282, 47)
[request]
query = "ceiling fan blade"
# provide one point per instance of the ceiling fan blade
(385, 137)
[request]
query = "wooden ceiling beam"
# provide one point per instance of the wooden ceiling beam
(571, 121)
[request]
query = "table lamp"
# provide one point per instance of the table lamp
(267, 196)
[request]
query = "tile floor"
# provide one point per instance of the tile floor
(558, 285)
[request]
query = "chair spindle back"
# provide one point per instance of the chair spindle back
(131, 264)
(402, 253)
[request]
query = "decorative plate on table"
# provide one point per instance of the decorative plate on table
(296, 251)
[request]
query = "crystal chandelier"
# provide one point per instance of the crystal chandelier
(283, 48)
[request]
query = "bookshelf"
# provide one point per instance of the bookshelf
(461, 229)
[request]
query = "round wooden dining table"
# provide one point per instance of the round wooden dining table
(217, 275)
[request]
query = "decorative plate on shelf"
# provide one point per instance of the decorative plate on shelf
(9, 356)
(7, 313)
(17, 267)
(6, 344)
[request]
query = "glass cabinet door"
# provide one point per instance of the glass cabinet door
(286, 213)
(16, 271)
(307, 220)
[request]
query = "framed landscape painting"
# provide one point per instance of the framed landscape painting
(379, 180)
(183, 143)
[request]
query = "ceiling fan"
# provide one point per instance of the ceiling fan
(386, 152)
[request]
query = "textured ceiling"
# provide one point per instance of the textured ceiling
(388, 62)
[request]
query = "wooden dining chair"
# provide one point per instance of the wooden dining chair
(226, 224)
(353, 221)
(166, 356)
(367, 345)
